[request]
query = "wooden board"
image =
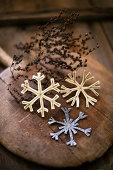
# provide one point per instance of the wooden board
(27, 135)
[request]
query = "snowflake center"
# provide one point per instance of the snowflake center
(40, 93)
(80, 87)
(67, 125)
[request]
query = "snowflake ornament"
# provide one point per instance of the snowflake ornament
(80, 88)
(40, 94)
(69, 125)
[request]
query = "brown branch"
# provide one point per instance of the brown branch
(5, 59)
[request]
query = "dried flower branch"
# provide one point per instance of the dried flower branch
(50, 49)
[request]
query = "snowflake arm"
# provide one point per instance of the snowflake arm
(72, 79)
(66, 111)
(56, 135)
(80, 117)
(42, 108)
(52, 121)
(26, 88)
(85, 131)
(28, 104)
(53, 86)
(52, 101)
(40, 94)
(80, 88)
(67, 91)
(38, 78)
(86, 77)
(71, 142)
(94, 86)
(74, 99)
(89, 99)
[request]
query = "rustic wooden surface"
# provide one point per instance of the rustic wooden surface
(103, 55)
(30, 133)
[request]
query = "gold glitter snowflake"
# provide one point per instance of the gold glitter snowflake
(80, 88)
(40, 94)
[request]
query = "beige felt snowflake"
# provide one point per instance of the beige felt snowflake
(80, 88)
(40, 94)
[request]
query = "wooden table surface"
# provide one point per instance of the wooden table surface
(103, 31)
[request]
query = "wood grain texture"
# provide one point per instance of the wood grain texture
(12, 35)
(31, 11)
(108, 31)
(9, 161)
(30, 133)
